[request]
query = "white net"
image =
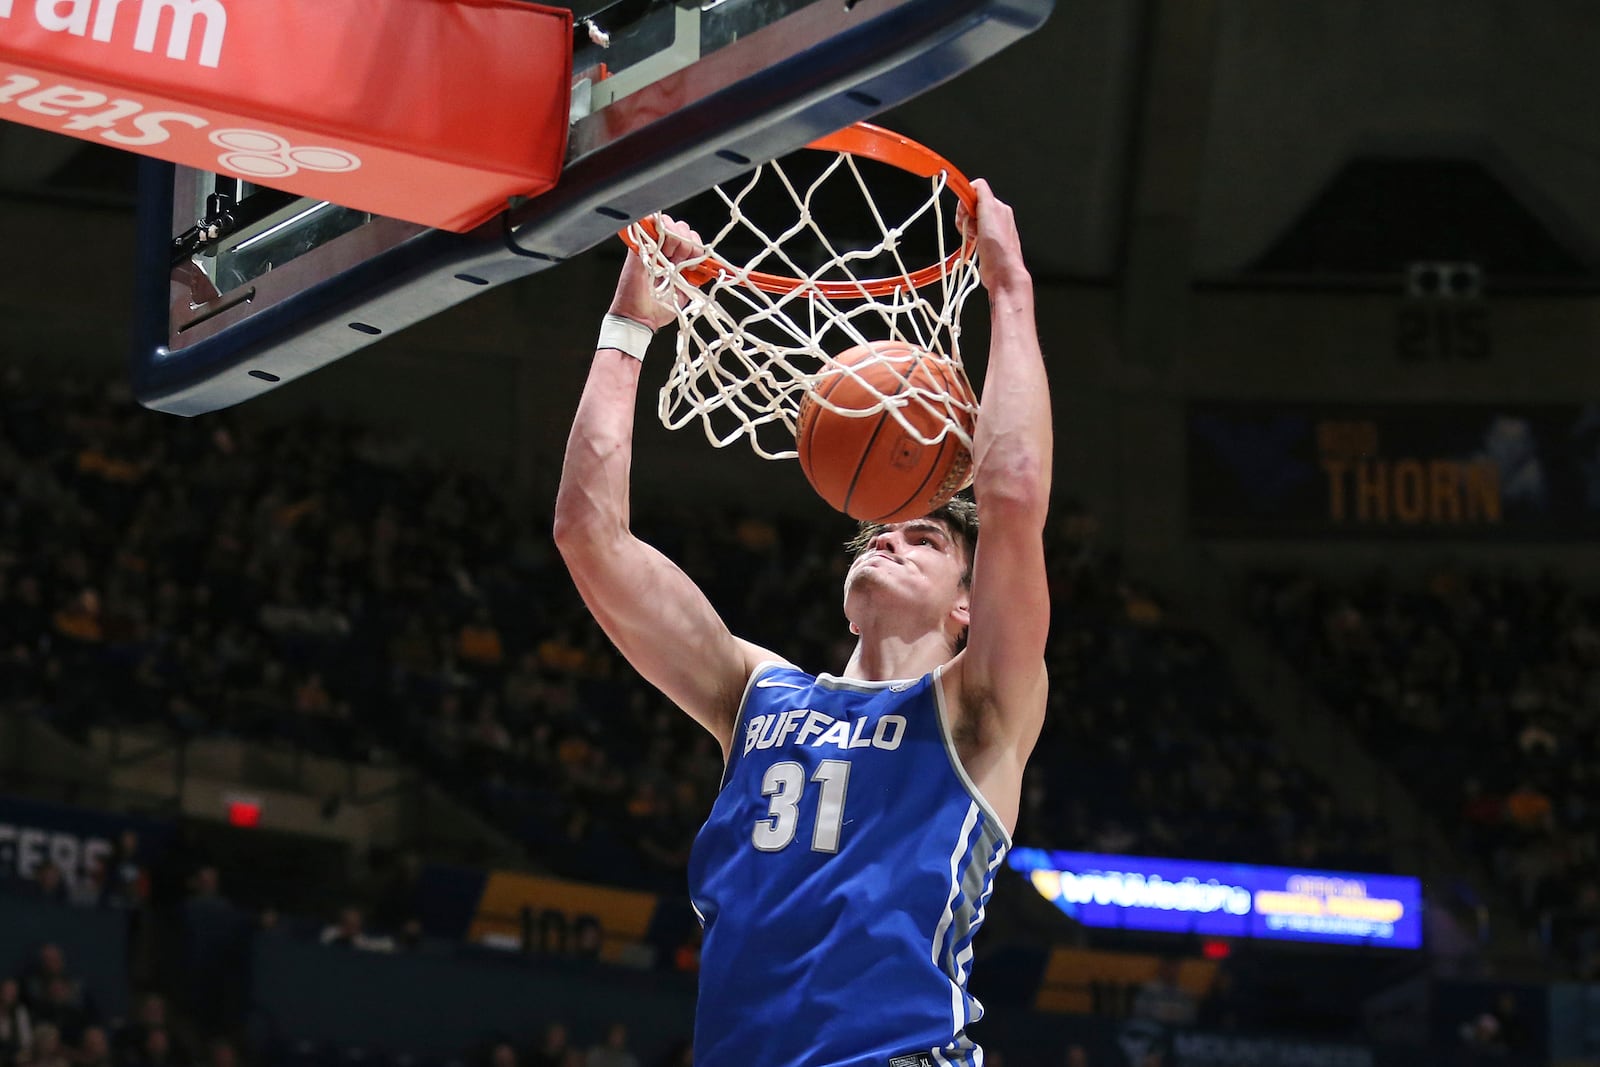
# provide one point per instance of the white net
(783, 298)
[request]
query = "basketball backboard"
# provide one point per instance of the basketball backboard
(243, 287)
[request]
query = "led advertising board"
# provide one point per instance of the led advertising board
(1227, 899)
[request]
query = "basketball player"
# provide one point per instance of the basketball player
(844, 868)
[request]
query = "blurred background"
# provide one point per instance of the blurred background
(310, 755)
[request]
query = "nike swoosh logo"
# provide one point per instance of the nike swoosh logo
(769, 683)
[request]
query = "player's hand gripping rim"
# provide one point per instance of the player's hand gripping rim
(636, 297)
(1000, 263)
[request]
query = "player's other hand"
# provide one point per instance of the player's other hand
(634, 298)
(1000, 263)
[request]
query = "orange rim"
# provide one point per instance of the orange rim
(870, 142)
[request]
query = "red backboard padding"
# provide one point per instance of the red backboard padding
(434, 113)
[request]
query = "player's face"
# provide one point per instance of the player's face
(921, 557)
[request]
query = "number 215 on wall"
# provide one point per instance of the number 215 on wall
(1442, 331)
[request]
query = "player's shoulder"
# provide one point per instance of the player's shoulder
(776, 670)
(761, 663)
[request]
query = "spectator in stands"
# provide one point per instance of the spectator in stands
(213, 949)
(47, 1050)
(129, 1043)
(552, 1048)
(88, 890)
(158, 1050)
(80, 620)
(502, 1054)
(94, 1048)
(48, 883)
(50, 965)
(1481, 1035)
(62, 1009)
(350, 932)
(128, 884)
(1510, 1024)
(614, 1051)
(1162, 999)
(489, 734)
(221, 1053)
(523, 688)
(16, 1025)
(1528, 808)
(478, 642)
(411, 935)
(587, 937)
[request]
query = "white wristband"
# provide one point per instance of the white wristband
(625, 335)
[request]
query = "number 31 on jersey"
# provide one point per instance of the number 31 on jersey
(785, 785)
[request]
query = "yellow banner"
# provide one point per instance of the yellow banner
(559, 910)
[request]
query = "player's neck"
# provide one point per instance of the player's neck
(882, 658)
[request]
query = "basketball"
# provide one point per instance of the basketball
(869, 466)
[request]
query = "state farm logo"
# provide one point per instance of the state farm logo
(266, 156)
(87, 112)
(185, 21)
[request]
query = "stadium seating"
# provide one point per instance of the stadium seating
(325, 586)
(1479, 688)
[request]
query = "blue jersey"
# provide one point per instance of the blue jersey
(840, 879)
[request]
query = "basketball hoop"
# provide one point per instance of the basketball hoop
(763, 311)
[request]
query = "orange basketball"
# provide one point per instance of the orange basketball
(870, 467)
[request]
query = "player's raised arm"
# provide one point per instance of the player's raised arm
(659, 620)
(1003, 673)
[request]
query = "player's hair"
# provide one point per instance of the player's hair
(959, 516)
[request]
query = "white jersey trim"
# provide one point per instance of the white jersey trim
(963, 844)
(955, 757)
(744, 707)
